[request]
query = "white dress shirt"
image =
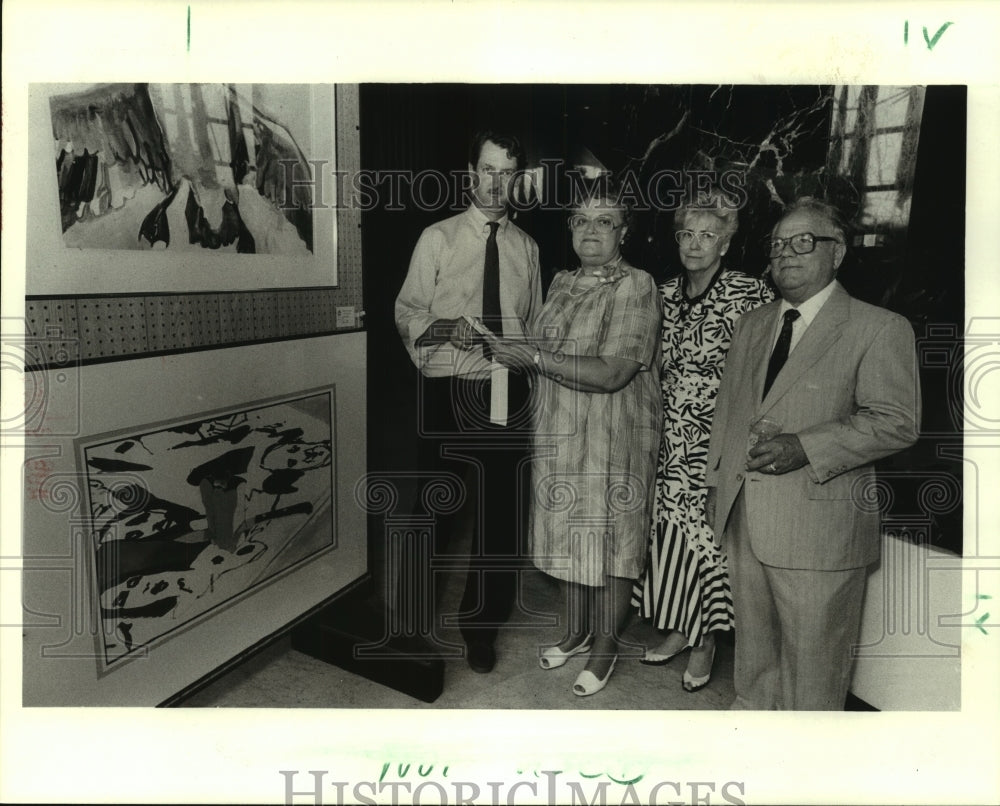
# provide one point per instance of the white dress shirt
(445, 281)
(807, 312)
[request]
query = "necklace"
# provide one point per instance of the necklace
(694, 300)
(685, 302)
(606, 274)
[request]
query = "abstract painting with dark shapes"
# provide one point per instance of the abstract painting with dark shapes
(185, 167)
(188, 516)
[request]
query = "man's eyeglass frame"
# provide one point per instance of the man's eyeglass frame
(775, 246)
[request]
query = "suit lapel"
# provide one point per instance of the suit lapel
(820, 336)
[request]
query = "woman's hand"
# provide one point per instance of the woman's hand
(512, 354)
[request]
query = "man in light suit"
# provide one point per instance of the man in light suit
(796, 512)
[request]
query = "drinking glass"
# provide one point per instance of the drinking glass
(762, 430)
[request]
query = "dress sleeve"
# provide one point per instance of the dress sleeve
(634, 320)
(756, 294)
(761, 295)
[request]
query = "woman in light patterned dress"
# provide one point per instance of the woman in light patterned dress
(685, 588)
(595, 352)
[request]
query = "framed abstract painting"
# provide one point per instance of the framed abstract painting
(183, 511)
(188, 517)
(178, 187)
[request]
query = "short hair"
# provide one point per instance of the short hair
(810, 204)
(716, 202)
(508, 142)
(605, 191)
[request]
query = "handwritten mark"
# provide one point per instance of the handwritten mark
(979, 623)
(628, 782)
(983, 596)
(582, 774)
(402, 770)
(189, 30)
(930, 40)
(623, 782)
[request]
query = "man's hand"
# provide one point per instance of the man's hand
(780, 454)
(457, 332)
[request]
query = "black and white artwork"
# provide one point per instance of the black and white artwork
(188, 516)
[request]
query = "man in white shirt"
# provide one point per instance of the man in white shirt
(838, 378)
(474, 413)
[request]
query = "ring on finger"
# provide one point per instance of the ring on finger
(771, 467)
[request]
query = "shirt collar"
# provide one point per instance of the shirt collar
(682, 290)
(479, 219)
(808, 309)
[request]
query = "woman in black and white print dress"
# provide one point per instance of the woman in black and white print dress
(685, 588)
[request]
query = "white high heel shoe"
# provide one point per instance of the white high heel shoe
(691, 684)
(554, 657)
(588, 683)
(652, 658)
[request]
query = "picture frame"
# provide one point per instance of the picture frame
(191, 515)
(180, 187)
(67, 660)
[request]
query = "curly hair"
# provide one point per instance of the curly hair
(716, 202)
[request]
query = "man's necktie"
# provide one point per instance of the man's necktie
(780, 353)
(492, 317)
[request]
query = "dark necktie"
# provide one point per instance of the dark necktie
(780, 353)
(492, 317)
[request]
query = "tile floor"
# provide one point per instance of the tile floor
(281, 677)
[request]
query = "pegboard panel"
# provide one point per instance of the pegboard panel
(287, 315)
(104, 328)
(110, 327)
(349, 276)
(265, 315)
(204, 309)
(309, 309)
(94, 329)
(52, 331)
(236, 318)
(169, 321)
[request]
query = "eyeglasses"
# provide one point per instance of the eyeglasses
(802, 244)
(706, 238)
(602, 224)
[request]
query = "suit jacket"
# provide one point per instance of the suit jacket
(849, 390)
